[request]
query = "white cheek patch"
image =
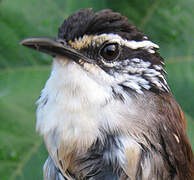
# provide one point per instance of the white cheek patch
(139, 74)
(156, 77)
(134, 82)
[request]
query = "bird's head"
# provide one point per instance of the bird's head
(109, 48)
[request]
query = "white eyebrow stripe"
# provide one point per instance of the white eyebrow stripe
(86, 40)
(145, 44)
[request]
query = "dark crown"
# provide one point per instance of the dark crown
(86, 22)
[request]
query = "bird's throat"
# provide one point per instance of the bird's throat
(69, 109)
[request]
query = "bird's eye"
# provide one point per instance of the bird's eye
(110, 52)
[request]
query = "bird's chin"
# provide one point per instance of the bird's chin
(64, 61)
(81, 64)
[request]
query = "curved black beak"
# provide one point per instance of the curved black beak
(54, 47)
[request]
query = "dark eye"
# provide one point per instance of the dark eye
(110, 52)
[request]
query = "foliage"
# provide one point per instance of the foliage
(23, 72)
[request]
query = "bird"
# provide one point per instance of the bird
(107, 112)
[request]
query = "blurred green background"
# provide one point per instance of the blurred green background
(23, 72)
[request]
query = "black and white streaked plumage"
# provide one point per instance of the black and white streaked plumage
(106, 112)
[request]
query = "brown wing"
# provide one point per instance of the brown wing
(175, 143)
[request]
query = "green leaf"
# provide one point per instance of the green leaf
(19, 89)
(180, 78)
(190, 127)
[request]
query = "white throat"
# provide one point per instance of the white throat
(70, 106)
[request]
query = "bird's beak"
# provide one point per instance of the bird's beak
(54, 47)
